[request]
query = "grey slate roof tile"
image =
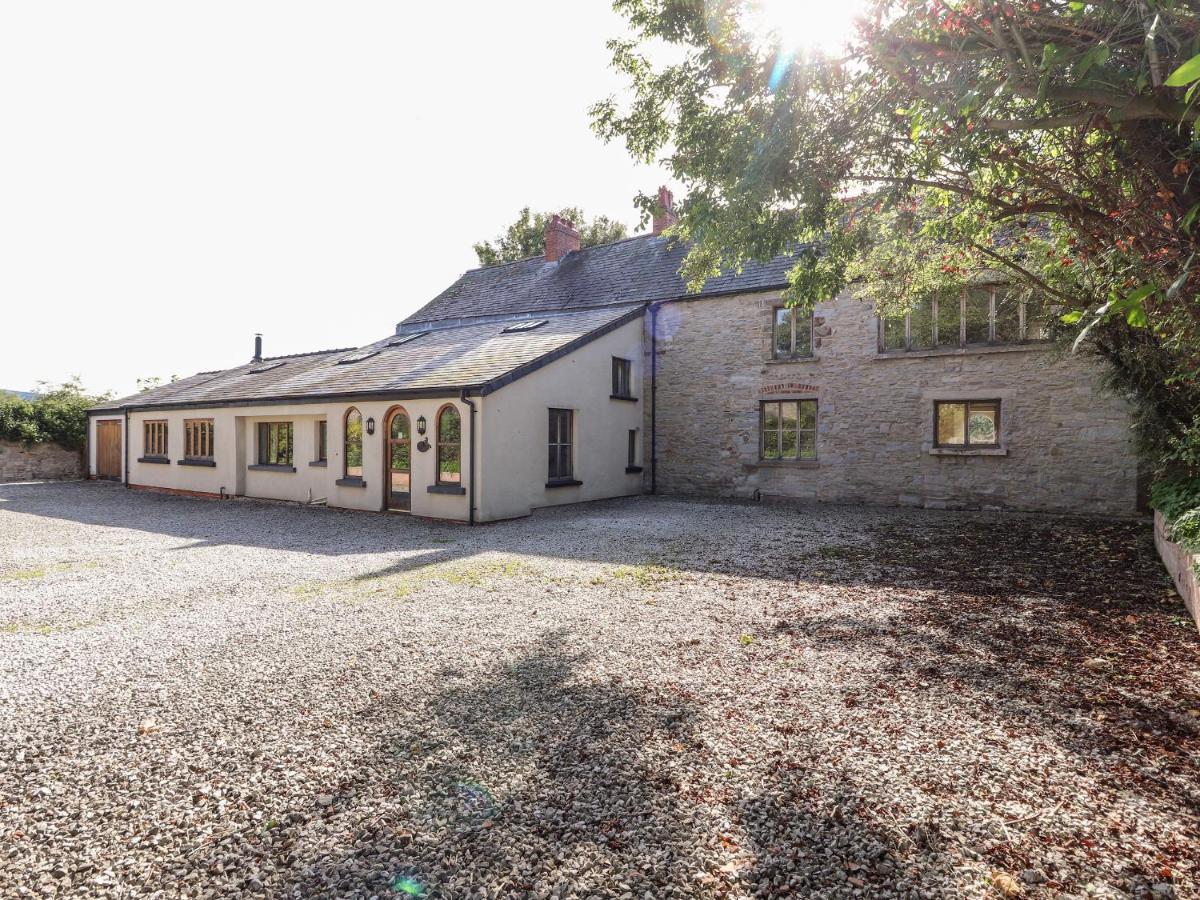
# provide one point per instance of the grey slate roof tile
(636, 270)
(474, 355)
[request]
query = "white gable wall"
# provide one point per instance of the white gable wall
(515, 430)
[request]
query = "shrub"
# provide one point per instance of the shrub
(1179, 502)
(56, 414)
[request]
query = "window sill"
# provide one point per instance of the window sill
(785, 464)
(968, 451)
(979, 350)
(563, 482)
(790, 360)
(319, 463)
(157, 460)
(622, 397)
(446, 489)
(632, 470)
(353, 481)
(210, 463)
(264, 467)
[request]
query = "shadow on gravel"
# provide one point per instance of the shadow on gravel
(574, 788)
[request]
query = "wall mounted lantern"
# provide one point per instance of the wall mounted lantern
(370, 426)
(420, 424)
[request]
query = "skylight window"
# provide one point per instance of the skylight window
(266, 368)
(405, 339)
(524, 326)
(357, 357)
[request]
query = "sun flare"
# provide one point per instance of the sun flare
(822, 26)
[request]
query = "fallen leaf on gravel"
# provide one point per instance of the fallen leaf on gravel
(1096, 664)
(149, 726)
(1006, 885)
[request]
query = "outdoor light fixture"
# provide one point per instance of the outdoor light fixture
(370, 426)
(420, 424)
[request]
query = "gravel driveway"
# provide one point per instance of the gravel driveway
(646, 698)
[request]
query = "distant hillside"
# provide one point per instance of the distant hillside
(24, 395)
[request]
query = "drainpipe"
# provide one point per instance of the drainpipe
(125, 445)
(471, 458)
(654, 398)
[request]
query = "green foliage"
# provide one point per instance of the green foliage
(1048, 142)
(1179, 502)
(57, 414)
(525, 237)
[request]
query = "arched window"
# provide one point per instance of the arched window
(449, 446)
(352, 443)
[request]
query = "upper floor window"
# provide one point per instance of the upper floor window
(352, 443)
(966, 423)
(622, 377)
(275, 443)
(979, 315)
(154, 438)
(791, 333)
(449, 446)
(562, 464)
(198, 438)
(789, 429)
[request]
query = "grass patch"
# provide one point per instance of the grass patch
(646, 576)
(24, 575)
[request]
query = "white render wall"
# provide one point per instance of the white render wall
(235, 449)
(516, 429)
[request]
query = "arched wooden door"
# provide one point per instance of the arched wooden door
(399, 460)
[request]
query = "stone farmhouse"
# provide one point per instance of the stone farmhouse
(592, 373)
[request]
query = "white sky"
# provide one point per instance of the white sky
(175, 177)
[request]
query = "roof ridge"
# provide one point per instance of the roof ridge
(525, 259)
(295, 355)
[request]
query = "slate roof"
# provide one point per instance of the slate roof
(479, 356)
(637, 270)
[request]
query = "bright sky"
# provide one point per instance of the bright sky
(175, 177)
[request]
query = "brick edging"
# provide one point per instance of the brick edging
(178, 492)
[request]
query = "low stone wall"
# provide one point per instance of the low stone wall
(1182, 566)
(38, 462)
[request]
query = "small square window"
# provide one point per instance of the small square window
(966, 423)
(198, 439)
(789, 429)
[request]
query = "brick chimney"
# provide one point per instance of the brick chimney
(561, 238)
(664, 214)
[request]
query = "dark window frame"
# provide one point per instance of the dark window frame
(560, 448)
(270, 443)
(779, 429)
(967, 444)
(154, 438)
(347, 475)
(322, 454)
(443, 445)
(199, 437)
(622, 378)
(632, 457)
(995, 292)
(792, 352)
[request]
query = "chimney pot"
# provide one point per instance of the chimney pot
(257, 348)
(664, 214)
(561, 238)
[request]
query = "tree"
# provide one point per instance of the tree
(524, 237)
(57, 414)
(1052, 140)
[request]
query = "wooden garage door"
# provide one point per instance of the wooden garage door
(108, 449)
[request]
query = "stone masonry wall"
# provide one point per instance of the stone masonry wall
(1066, 445)
(38, 462)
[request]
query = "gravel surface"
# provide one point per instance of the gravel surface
(647, 698)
